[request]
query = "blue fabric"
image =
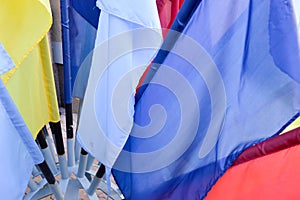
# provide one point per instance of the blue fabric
(19, 152)
(84, 17)
(230, 81)
(20, 125)
(13, 114)
(6, 62)
(88, 10)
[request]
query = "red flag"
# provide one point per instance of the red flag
(273, 174)
(167, 10)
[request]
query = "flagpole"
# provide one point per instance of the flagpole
(45, 169)
(85, 159)
(82, 163)
(46, 151)
(32, 185)
(77, 149)
(65, 4)
(59, 143)
(94, 184)
(49, 142)
(51, 180)
(183, 17)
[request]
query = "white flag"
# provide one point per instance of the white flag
(128, 38)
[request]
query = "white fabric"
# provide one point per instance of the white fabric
(297, 11)
(126, 43)
(140, 12)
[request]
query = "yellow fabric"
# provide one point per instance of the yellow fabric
(293, 125)
(25, 25)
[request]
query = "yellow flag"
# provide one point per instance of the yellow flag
(25, 25)
(293, 125)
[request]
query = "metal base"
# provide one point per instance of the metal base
(70, 189)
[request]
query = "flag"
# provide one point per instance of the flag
(84, 17)
(31, 82)
(5, 62)
(272, 145)
(297, 12)
(128, 37)
(167, 10)
(293, 125)
(272, 176)
(18, 150)
(230, 81)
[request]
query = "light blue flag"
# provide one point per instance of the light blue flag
(127, 39)
(18, 150)
(230, 81)
(6, 62)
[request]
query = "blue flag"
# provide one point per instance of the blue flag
(84, 17)
(6, 62)
(230, 81)
(18, 150)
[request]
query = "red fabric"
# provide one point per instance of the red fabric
(141, 81)
(268, 170)
(275, 176)
(167, 10)
(271, 145)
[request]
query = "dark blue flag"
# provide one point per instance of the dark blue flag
(84, 17)
(230, 81)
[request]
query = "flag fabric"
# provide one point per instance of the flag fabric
(293, 125)
(297, 11)
(128, 37)
(6, 62)
(272, 145)
(275, 175)
(31, 82)
(167, 10)
(84, 17)
(230, 81)
(18, 150)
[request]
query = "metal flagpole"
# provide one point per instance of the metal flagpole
(46, 152)
(94, 184)
(51, 180)
(59, 143)
(67, 79)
